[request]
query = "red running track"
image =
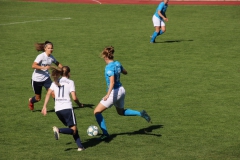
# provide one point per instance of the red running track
(142, 2)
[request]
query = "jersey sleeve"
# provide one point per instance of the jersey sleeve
(161, 5)
(110, 73)
(38, 59)
(52, 86)
(72, 86)
(54, 60)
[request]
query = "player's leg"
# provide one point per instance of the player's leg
(77, 139)
(128, 112)
(157, 26)
(162, 28)
(119, 104)
(67, 117)
(37, 88)
(100, 119)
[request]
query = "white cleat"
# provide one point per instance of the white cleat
(56, 132)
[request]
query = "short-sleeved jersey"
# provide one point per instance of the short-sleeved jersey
(42, 59)
(163, 8)
(113, 69)
(62, 93)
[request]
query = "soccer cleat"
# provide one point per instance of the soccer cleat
(146, 116)
(30, 104)
(152, 41)
(103, 137)
(56, 132)
(80, 149)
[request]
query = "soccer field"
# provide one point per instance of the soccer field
(188, 81)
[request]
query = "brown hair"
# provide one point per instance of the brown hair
(108, 52)
(57, 72)
(42, 46)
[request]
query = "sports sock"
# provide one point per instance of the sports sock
(76, 137)
(129, 112)
(33, 100)
(65, 130)
(154, 35)
(101, 123)
(160, 32)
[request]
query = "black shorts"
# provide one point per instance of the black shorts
(67, 117)
(37, 86)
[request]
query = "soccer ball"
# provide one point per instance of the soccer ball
(92, 130)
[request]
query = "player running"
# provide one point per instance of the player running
(63, 105)
(41, 77)
(115, 92)
(159, 18)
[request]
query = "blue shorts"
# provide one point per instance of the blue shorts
(37, 86)
(67, 117)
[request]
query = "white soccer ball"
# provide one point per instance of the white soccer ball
(92, 130)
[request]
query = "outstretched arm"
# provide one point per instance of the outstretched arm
(58, 64)
(74, 97)
(44, 109)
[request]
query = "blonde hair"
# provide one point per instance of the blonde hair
(59, 72)
(108, 52)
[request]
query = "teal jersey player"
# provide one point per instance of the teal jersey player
(115, 95)
(113, 69)
(162, 7)
(159, 18)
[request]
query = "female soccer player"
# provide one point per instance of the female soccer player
(159, 18)
(40, 76)
(115, 92)
(63, 106)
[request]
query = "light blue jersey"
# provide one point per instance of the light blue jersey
(113, 69)
(163, 8)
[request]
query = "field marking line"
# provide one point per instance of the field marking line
(97, 1)
(52, 19)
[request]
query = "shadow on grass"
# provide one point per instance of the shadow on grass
(144, 131)
(174, 41)
(84, 106)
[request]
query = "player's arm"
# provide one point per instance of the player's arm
(74, 97)
(124, 71)
(44, 109)
(162, 16)
(58, 64)
(36, 66)
(111, 78)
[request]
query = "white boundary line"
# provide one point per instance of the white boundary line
(53, 19)
(97, 1)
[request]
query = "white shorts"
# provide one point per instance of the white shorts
(157, 21)
(116, 98)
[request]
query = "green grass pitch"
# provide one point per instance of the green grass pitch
(188, 81)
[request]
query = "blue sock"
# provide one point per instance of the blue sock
(160, 32)
(76, 137)
(33, 100)
(65, 130)
(101, 123)
(154, 35)
(129, 112)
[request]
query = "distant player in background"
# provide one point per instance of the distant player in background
(41, 76)
(159, 18)
(115, 92)
(63, 105)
